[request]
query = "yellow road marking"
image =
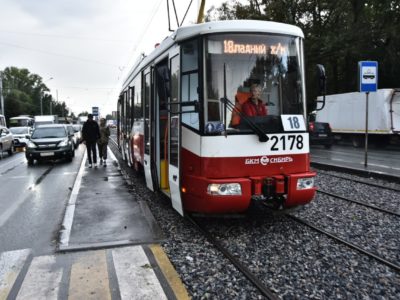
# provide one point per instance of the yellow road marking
(170, 273)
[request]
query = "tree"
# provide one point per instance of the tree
(24, 92)
(338, 34)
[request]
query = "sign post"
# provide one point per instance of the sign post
(95, 111)
(368, 79)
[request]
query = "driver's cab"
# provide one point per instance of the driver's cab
(235, 62)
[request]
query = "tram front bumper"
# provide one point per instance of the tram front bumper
(235, 194)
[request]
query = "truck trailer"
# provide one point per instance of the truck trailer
(45, 119)
(346, 115)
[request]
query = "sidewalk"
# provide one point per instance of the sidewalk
(380, 163)
(103, 213)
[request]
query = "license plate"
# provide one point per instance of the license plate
(47, 154)
(323, 135)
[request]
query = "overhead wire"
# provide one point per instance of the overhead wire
(87, 60)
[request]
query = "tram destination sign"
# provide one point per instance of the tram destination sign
(368, 76)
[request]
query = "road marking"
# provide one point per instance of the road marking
(11, 263)
(111, 154)
(16, 159)
(69, 212)
(89, 277)
(136, 277)
(42, 280)
(169, 272)
(10, 211)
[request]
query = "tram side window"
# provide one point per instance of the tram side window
(190, 82)
(126, 113)
(174, 130)
(138, 108)
(147, 113)
(131, 106)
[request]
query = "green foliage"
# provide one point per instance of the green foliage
(338, 34)
(23, 92)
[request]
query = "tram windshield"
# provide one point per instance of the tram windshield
(250, 66)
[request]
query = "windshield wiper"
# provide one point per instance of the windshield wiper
(262, 137)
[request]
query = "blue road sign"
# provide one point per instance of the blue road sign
(95, 111)
(368, 72)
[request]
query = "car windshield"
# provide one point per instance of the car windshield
(77, 127)
(49, 132)
(19, 130)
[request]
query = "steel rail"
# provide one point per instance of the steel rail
(360, 203)
(363, 182)
(265, 291)
(350, 245)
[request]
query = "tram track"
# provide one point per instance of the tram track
(359, 203)
(366, 182)
(264, 290)
(344, 242)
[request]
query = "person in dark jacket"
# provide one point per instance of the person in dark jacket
(90, 135)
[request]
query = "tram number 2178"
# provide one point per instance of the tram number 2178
(286, 142)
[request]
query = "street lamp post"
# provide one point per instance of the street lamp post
(41, 98)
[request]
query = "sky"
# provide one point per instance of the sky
(84, 49)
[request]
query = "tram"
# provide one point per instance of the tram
(180, 120)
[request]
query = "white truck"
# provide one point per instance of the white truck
(346, 115)
(45, 119)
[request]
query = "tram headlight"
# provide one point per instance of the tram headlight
(224, 189)
(305, 183)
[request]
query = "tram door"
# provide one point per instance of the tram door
(147, 138)
(174, 136)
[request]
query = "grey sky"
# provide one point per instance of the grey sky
(86, 46)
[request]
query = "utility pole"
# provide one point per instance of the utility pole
(1, 94)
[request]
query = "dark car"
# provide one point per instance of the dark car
(51, 141)
(320, 133)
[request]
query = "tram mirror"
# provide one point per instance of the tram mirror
(321, 78)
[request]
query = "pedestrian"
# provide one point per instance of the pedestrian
(90, 135)
(103, 141)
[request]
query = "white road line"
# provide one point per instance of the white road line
(10, 210)
(11, 263)
(136, 278)
(69, 213)
(12, 161)
(42, 280)
(111, 154)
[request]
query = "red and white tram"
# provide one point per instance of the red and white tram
(180, 119)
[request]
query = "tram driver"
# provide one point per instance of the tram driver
(254, 106)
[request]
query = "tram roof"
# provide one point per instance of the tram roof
(187, 32)
(190, 31)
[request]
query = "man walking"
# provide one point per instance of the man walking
(90, 135)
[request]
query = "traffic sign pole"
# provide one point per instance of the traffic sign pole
(368, 79)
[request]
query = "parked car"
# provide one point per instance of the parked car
(320, 132)
(78, 132)
(51, 141)
(21, 135)
(71, 131)
(6, 141)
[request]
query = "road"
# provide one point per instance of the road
(33, 200)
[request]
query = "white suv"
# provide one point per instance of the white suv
(6, 141)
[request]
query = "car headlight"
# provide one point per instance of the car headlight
(305, 183)
(64, 143)
(224, 189)
(30, 145)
